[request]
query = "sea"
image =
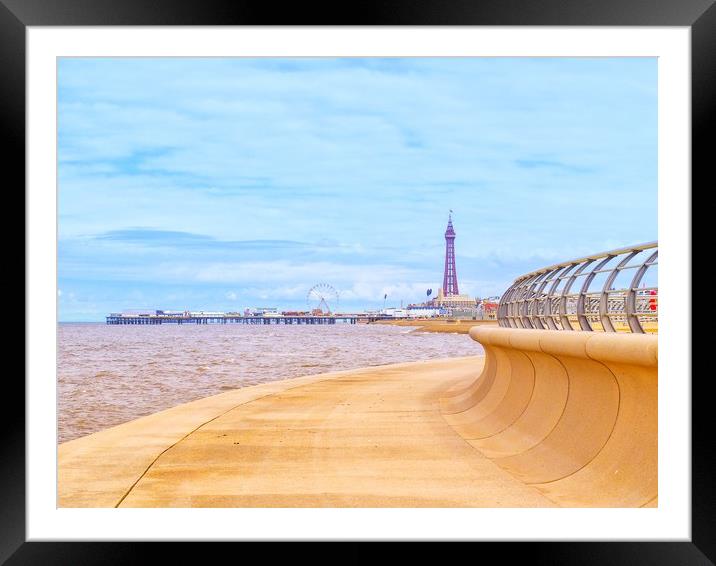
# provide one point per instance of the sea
(110, 374)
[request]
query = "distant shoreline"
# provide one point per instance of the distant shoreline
(453, 326)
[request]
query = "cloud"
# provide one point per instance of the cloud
(548, 164)
(150, 236)
(153, 237)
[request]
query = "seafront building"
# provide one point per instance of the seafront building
(423, 311)
(489, 307)
(454, 301)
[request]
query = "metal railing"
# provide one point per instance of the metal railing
(614, 291)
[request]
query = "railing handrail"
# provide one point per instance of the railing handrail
(548, 298)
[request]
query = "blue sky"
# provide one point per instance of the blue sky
(231, 183)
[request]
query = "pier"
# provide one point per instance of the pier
(236, 319)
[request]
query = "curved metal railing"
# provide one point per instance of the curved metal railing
(614, 291)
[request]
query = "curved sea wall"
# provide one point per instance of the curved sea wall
(573, 414)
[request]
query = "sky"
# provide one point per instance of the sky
(227, 183)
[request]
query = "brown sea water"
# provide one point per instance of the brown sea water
(108, 375)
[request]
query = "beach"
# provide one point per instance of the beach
(441, 325)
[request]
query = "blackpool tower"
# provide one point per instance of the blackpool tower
(450, 276)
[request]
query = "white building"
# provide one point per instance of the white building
(395, 313)
(265, 311)
(207, 313)
(425, 311)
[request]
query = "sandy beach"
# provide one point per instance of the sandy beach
(439, 325)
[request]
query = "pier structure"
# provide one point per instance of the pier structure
(153, 319)
(228, 319)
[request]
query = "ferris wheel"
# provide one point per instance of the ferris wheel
(322, 297)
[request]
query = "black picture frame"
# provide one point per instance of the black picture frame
(16, 15)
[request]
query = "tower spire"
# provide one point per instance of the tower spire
(450, 275)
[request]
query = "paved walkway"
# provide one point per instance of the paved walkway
(367, 438)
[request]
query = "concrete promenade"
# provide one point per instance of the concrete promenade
(546, 418)
(373, 437)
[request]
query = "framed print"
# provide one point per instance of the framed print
(392, 279)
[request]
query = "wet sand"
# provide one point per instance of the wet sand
(441, 326)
